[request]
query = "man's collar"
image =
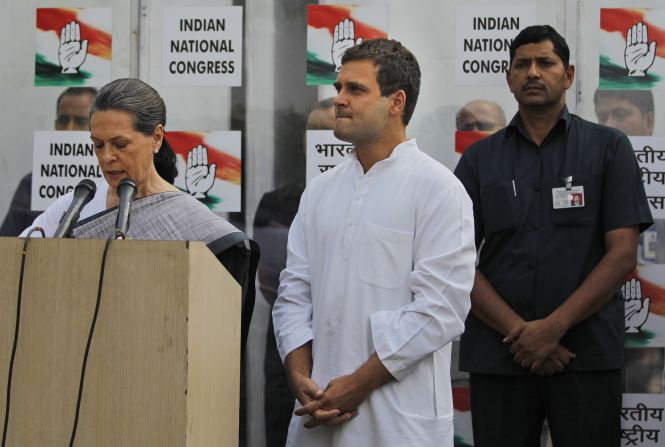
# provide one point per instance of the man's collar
(400, 150)
(405, 147)
(517, 124)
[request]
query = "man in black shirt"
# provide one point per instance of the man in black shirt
(545, 336)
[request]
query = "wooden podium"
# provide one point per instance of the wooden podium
(164, 362)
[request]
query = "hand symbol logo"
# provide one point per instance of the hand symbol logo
(342, 41)
(72, 51)
(636, 310)
(199, 177)
(639, 54)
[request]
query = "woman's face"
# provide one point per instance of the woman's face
(121, 150)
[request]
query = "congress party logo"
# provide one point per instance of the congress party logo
(73, 46)
(209, 167)
(333, 29)
(631, 49)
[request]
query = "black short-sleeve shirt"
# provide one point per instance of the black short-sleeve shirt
(535, 256)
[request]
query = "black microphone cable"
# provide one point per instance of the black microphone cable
(16, 332)
(90, 334)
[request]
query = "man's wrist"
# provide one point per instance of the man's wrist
(372, 375)
(559, 323)
(514, 325)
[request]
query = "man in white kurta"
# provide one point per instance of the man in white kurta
(380, 265)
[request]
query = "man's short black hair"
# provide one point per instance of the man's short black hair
(75, 91)
(537, 34)
(397, 69)
(642, 99)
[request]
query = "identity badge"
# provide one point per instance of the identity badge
(568, 198)
(649, 245)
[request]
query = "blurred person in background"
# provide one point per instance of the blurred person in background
(72, 113)
(480, 114)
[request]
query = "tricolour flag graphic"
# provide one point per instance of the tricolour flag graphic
(631, 48)
(209, 167)
(651, 279)
(325, 46)
(73, 46)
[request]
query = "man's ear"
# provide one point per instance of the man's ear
(570, 76)
(398, 102)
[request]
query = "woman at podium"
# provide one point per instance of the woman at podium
(127, 120)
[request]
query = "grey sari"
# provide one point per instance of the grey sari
(168, 216)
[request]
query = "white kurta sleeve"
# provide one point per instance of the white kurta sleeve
(444, 255)
(292, 312)
(50, 218)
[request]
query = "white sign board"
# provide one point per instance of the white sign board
(642, 420)
(650, 154)
(60, 160)
(324, 152)
(202, 46)
(484, 34)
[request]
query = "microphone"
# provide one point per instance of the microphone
(83, 193)
(126, 193)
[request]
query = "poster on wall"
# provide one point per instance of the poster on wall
(644, 289)
(631, 48)
(642, 420)
(332, 29)
(209, 167)
(73, 46)
(650, 154)
(60, 160)
(202, 46)
(324, 152)
(644, 305)
(483, 36)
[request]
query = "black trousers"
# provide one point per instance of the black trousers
(583, 409)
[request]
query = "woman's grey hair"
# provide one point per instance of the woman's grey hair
(148, 111)
(136, 97)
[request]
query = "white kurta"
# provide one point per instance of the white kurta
(380, 262)
(50, 218)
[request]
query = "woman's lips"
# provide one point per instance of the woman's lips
(115, 174)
